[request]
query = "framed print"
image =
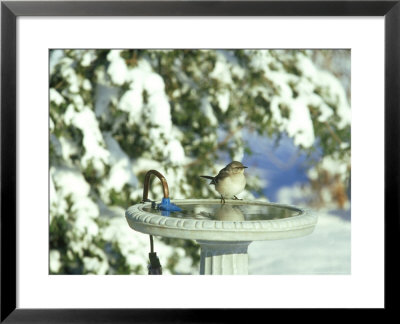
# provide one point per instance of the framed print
(304, 93)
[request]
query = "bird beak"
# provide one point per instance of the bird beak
(245, 167)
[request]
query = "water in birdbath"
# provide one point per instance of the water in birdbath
(232, 211)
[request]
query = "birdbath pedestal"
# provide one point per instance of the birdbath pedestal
(222, 257)
(223, 231)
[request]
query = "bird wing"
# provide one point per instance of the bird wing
(222, 174)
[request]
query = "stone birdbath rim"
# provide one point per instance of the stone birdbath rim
(143, 218)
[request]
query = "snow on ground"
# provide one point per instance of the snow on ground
(325, 251)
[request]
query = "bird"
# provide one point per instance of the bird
(230, 180)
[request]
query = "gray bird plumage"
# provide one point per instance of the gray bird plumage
(229, 181)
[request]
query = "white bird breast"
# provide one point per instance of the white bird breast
(231, 186)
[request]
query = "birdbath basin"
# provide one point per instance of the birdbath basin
(224, 231)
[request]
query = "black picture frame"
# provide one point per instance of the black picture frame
(10, 10)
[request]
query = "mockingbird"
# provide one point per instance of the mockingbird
(230, 181)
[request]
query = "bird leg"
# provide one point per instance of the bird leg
(236, 198)
(222, 200)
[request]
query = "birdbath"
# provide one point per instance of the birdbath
(223, 231)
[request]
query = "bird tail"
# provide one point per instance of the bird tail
(210, 178)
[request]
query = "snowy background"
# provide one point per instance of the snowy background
(114, 114)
